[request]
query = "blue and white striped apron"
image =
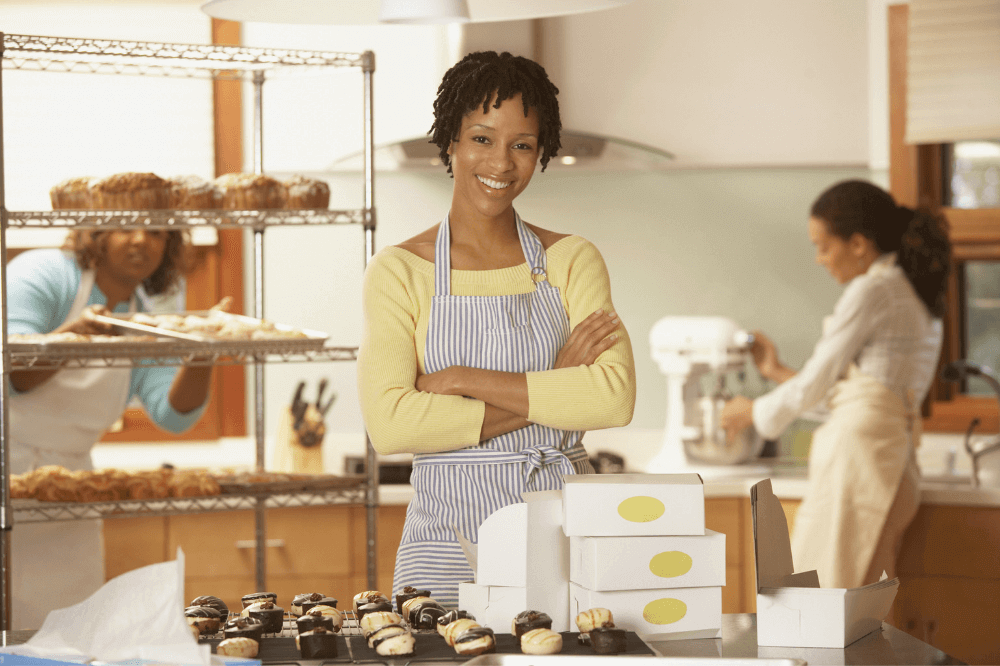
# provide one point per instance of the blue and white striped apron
(514, 333)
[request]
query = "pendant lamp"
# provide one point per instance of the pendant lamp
(360, 12)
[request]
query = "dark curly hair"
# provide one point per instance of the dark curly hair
(473, 81)
(89, 247)
(919, 237)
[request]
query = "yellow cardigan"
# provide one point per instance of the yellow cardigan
(398, 288)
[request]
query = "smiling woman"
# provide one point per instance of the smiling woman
(490, 345)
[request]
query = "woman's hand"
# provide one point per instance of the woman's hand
(765, 357)
(442, 382)
(591, 338)
(85, 324)
(736, 416)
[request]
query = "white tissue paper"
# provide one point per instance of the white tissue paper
(138, 615)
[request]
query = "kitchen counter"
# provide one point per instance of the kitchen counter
(739, 641)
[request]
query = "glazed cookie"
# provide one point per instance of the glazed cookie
(385, 631)
(453, 630)
(238, 647)
(475, 640)
(396, 645)
(451, 616)
(541, 641)
(593, 618)
(373, 621)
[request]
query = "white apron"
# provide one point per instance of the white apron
(58, 564)
(862, 484)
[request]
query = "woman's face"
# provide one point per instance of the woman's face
(133, 256)
(494, 157)
(843, 259)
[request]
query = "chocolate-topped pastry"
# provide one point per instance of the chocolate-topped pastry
(254, 597)
(410, 604)
(205, 618)
(394, 644)
(408, 593)
(425, 615)
(528, 620)
(243, 627)
(373, 607)
(367, 597)
(273, 617)
(309, 621)
(317, 644)
(451, 616)
(303, 602)
(213, 602)
(607, 640)
(385, 631)
(475, 640)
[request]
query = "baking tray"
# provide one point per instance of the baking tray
(313, 340)
(621, 660)
(286, 483)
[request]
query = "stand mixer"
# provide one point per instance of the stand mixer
(694, 352)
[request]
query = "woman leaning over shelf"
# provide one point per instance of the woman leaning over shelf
(872, 367)
(490, 345)
(56, 416)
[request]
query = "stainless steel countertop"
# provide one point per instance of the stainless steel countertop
(739, 641)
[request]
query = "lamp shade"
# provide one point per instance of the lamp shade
(360, 12)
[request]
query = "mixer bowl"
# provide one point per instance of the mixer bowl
(716, 446)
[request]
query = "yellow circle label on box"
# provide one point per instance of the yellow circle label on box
(641, 509)
(670, 564)
(664, 611)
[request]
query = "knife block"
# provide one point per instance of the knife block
(289, 454)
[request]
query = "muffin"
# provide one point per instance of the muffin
(73, 194)
(249, 191)
(303, 192)
(204, 617)
(192, 193)
(131, 191)
(243, 627)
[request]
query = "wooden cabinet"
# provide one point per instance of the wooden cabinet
(310, 549)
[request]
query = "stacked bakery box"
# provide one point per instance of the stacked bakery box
(639, 547)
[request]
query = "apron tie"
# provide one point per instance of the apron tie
(543, 456)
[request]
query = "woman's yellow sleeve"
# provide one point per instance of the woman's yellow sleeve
(398, 417)
(587, 397)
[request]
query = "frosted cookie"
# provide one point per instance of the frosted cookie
(395, 645)
(385, 631)
(475, 640)
(541, 641)
(451, 616)
(594, 617)
(372, 621)
(409, 592)
(454, 629)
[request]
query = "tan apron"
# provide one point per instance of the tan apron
(58, 564)
(862, 484)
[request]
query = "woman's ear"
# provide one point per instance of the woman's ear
(451, 146)
(860, 245)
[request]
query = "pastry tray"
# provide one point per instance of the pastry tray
(273, 483)
(313, 339)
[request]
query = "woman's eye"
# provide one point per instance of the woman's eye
(480, 139)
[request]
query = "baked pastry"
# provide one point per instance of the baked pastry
(607, 640)
(238, 647)
(243, 627)
(394, 644)
(311, 620)
(73, 194)
(451, 616)
(541, 641)
(454, 629)
(304, 192)
(385, 631)
(475, 640)
(374, 607)
(273, 617)
(195, 631)
(193, 483)
(205, 618)
(425, 614)
(527, 620)
(409, 592)
(249, 191)
(131, 191)
(372, 621)
(410, 604)
(192, 193)
(593, 618)
(19, 487)
(317, 644)
(367, 597)
(303, 602)
(213, 602)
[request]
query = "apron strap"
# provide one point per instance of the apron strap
(531, 246)
(536, 458)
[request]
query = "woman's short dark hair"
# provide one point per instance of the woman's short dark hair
(919, 237)
(474, 80)
(89, 247)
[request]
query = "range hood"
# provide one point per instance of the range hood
(581, 151)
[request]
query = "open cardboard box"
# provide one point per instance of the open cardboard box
(792, 609)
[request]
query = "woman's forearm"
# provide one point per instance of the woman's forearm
(780, 374)
(26, 380)
(190, 388)
(507, 391)
(498, 422)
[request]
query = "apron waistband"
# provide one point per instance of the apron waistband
(536, 457)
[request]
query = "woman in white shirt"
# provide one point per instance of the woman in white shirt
(872, 368)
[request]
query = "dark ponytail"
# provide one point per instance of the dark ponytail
(920, 237)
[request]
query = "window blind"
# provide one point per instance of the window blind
(953, 77)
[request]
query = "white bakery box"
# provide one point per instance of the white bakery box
(633, 505)
(510, 576)
(676, 613)
(648, 562)
(792, 609)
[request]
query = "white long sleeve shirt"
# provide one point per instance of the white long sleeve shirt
(880, 324)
